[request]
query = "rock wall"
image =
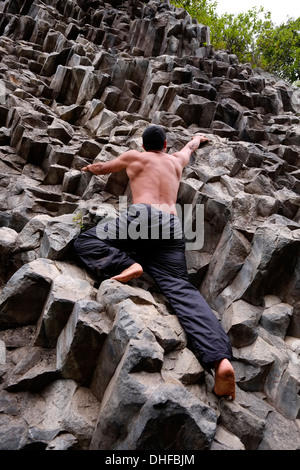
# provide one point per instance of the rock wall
(89, 366)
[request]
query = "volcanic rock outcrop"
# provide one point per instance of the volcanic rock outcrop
(89, 366)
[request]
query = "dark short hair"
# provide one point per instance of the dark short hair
(154, 138)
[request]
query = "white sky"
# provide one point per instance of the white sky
(280, 9)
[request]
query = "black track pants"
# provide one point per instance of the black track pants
(108, 250)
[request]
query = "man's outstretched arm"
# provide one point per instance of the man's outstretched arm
(112, 166)
(185, 153)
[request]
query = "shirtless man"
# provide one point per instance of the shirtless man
(154, 177)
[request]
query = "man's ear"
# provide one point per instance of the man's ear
(165, 145)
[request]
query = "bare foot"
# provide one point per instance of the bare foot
(134, 271)
(224, 379)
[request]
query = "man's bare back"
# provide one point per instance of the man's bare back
(154, 175)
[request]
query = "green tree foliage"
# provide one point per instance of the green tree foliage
(279, 50)
(252, 36)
